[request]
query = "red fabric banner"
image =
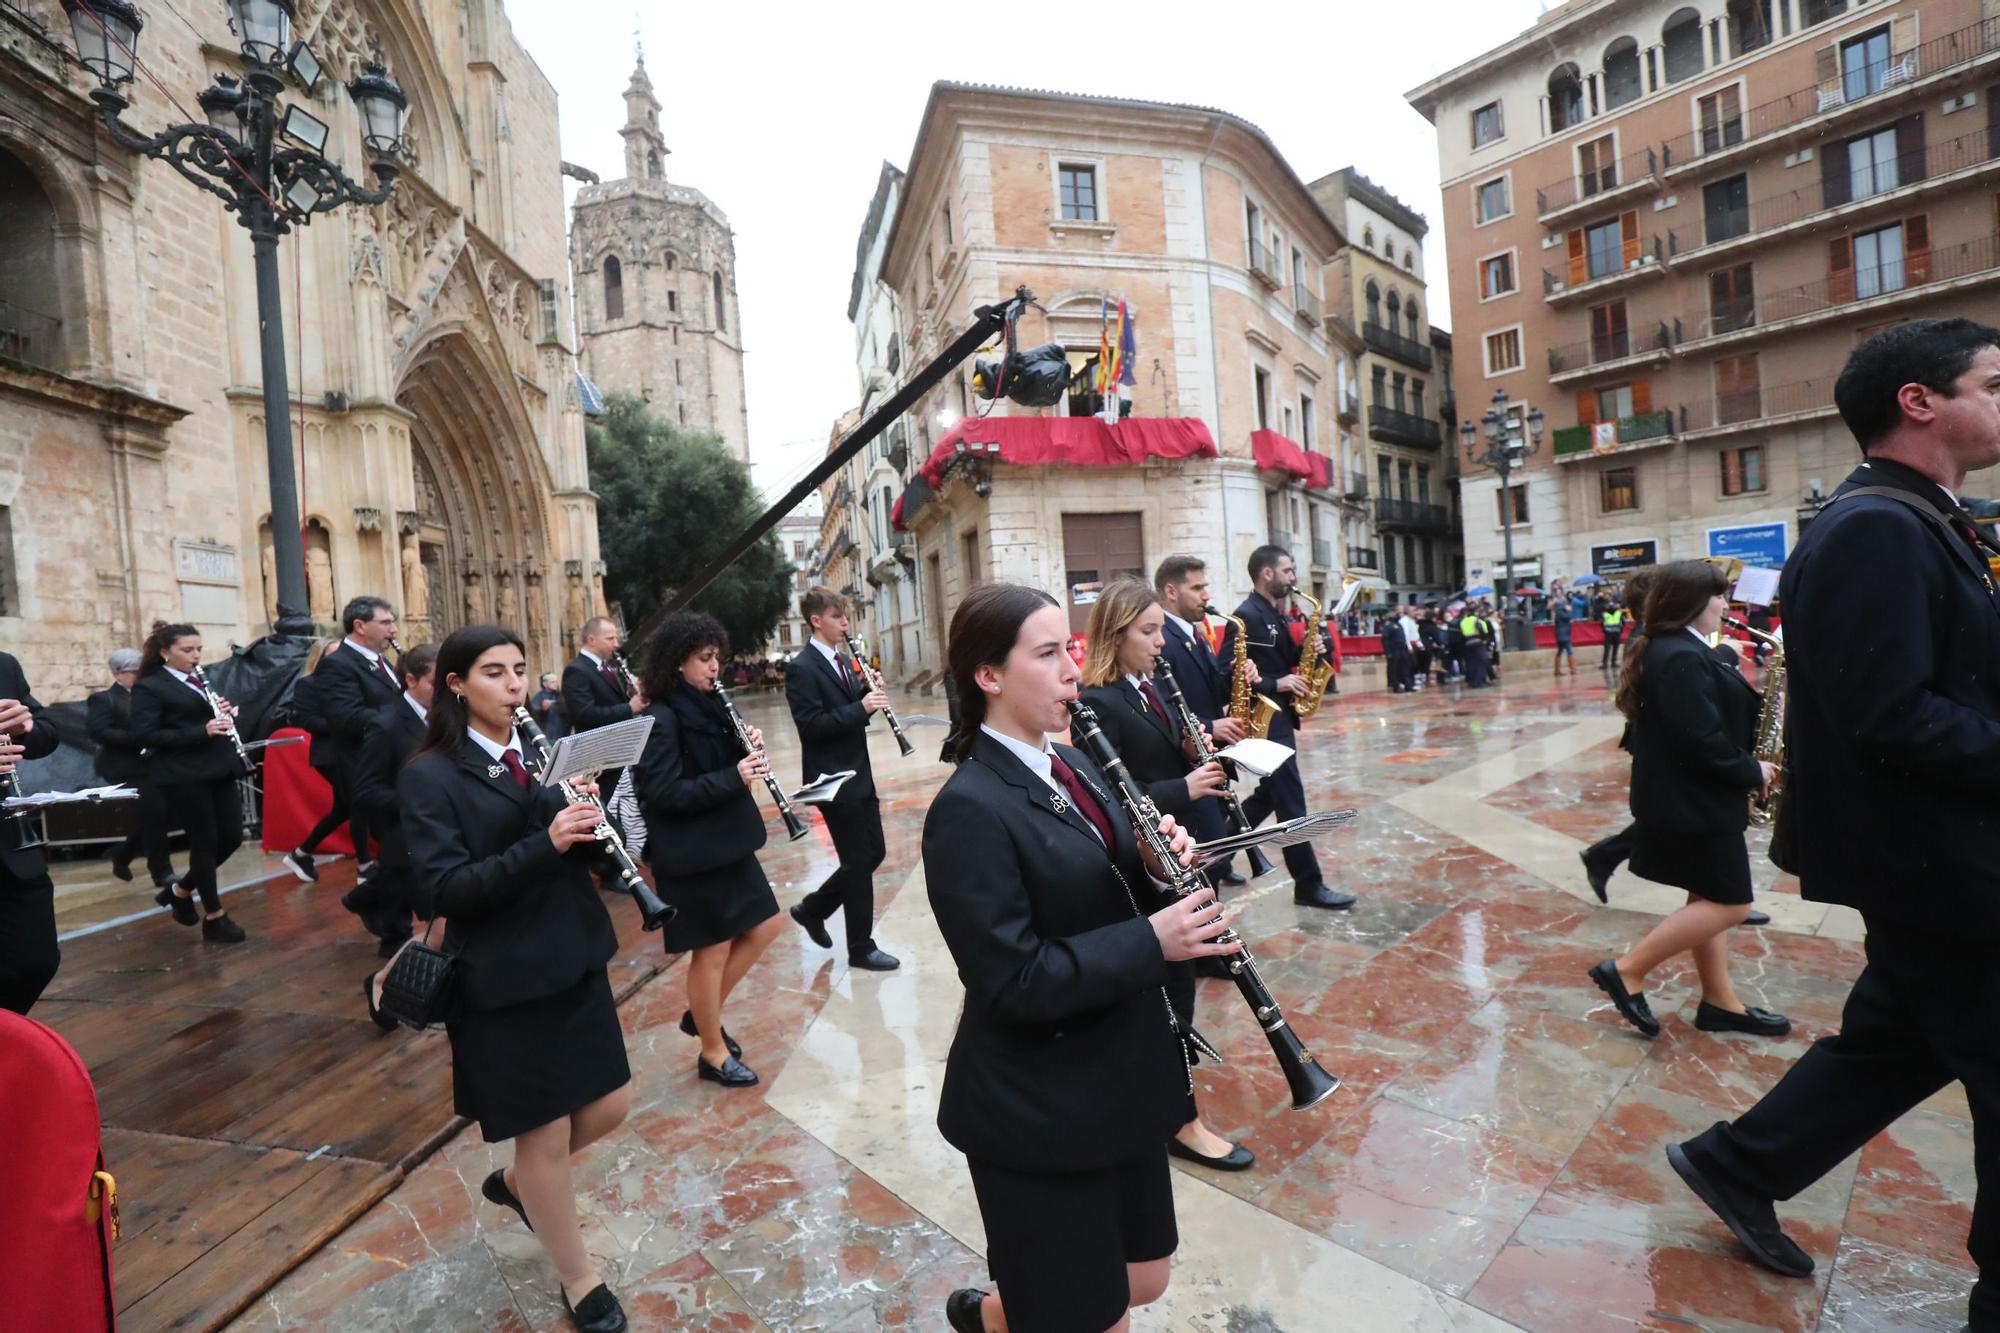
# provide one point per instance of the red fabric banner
(1274, 453)
(1071, 441)
(295, 796)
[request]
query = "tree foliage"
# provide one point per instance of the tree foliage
(668, 499)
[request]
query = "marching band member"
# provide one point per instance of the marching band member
(194, 764)
(393, 733)
(594, 695)
(1181, 582)
(119, 759)
(1066, 1076)
(29, 954)
(703, 831)
(536, 1051)
(352, 682)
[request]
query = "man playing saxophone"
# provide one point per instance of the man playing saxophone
(1268, 635)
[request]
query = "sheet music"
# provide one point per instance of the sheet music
(925, 720)
(111, 793)
(1282, 834)
(274, 742)
(822, 788)
(583, 753)
(1262, 757)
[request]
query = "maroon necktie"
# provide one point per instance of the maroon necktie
(1080, 796)
(515, 768)
(1965, 528)
(612, 676)
(195, 685)
(383, 662)
(1153, 701)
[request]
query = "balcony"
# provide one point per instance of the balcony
(1558, 291)
(1307, 306)
(1917, 71)
(1607, 354)
(1411, 516)
(1448, 407)
(1363, 557)
(1356, 486)
(1349, 406)
(1644, 431)
(1390, 343)
(1281, 537)
(1635, 175)
(1264, 266)
(1322, 553)
(1756, 408)
(30, 337)
(1386, 423)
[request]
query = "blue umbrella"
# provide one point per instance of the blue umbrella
(1583, 580)
(1481, 591)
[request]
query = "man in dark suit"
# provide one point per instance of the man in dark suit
(390, 737)
(1182, 584)
(1893, 740)
(108, 719)
(593, 692)
(29, 954)
(832, 704)
(354, 680)
(1396, 652)
(1276, 654)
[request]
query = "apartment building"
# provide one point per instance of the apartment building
(1667, 225)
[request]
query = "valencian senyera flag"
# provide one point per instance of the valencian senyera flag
(1117, 348)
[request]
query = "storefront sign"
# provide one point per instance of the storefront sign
(1761, 545)
(1614, 562)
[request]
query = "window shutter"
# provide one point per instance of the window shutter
(1628, 236)
(1836, 174)
(1903, 38)
(1840, 269)
(1910, 149)
(1826, 67)
(1578, 270)
(1586, 407)
(1993, 121)
(1917, 249)
(1642, 397)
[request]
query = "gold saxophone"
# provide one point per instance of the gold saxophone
(1312, 671)
(1770, 744)
(1247, 706)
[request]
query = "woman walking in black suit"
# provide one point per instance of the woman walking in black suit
(1066, 1076)
(1126, 637)
(537, 1055)
(703, 829)
(193, 763)
(1693, 721)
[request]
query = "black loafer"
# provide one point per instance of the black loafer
(1600, 880)
(494, 1190)
(687, 1026)
(1634, 1007)
(222, 930)
(182, 908)
(599, 1312)
(733, 1074)
(375, 1014)
(815, 930)
(961, 1311)
(1230, 879)
(1238, 1158)
(1753, 1219)
(1757, 1022)
(121, 868)
(1757, 918)
(874, 961)
(1321, 896)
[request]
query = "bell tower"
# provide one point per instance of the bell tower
(645, 150)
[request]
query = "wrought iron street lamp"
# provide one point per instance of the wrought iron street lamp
(237, 157)
(1506, 442)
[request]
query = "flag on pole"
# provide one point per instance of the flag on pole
(1128, 347)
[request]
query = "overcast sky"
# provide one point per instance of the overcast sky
(785, 122)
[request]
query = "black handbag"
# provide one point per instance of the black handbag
(421, 985)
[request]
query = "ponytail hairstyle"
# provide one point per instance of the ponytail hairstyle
(415, 664)
(445, 727)
(984, 630)
(153, 654)
(1673, 596)
(1122, 602)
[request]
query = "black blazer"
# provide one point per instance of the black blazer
(1065, 1058)
(590, 699)
(42, 741)
(1204, 681)
(108, 719)
(833, 727)
(699, 813)
(1151, 750)
(524, 919)
(388, 739)
(1692, 771)
(349, 689)
(1394, 642)
(172, 719)
(1892, 632)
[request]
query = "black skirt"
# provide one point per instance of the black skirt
(518, 1068)
(1715, 866)
(715, 906)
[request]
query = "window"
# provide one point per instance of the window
(1410, 260)
(1871, 164)
(1621, 73)
(1732, 303)
(720, 322)
(1490, 201)
(1721, 114)
(1381, 387)
(1423, 484)
(1618, 489)
(1395, 314)
(1604, 248)
(1382, 475)
(1614, 403)
(1725, 209)
(1262, 380)
(947, 225)
(1681, 36)
(1503, 351)
(1520, 498)
(1403, 481)
(1565, 98)
(547, 288)
(673, 301)
(1819, 11)
(1389, 559)
(1417, 396)
(1738, 395)
(1610, 337)
(1371, 297)
(1430, 561)
(1749, 26)
(1597, 166)
(1486, 126)
(1396, 392)
(1496, 275)
(1878, 261)
(1864, 64)
(1743, 470)
(614, 288)
(1367, 232)
(1306, 420)
(1078, 190)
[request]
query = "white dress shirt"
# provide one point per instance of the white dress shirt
(423, 713)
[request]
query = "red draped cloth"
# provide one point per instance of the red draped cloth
(295, 797)
(1071, 441)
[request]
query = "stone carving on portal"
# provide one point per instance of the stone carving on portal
(416, 591)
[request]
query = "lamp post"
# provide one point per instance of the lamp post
(236, 156)
(1507, 442)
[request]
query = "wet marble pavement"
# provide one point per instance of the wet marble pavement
(1492, 1160)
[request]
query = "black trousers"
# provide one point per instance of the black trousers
(211, 813)
(29, 954)
(1284, 794)
(1919, 1016)
(856, 828)
(1400, 676)
(149, 834)
(1478, 667)
(1615, 850)
(357, 828)
(385, 900)
(1611, 644)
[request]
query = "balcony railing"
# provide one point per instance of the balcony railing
(1350, 406)
(1629, 170)
(1908, 272)
(30, 337)
(1281, 537)
(1363, 557)
(1631, 430)
(1881, 77)
(1746, 407)
(1412, 514)
(1386, 423)
(1308, 306)
(1356, 487)
(1609, 347)
(1264, 265)
(1322, 553)
(1390, 343)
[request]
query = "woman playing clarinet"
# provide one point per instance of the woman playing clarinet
(1066, 1076)
(194, 764)
(537, 1055)
(1126, 637)
(703, 829)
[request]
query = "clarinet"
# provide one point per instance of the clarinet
(624, 670)
(216, 706)
(652, 912)
(1310, 1084)
(875, 683)
(1205, 754)
(21, 820)
(793, 824)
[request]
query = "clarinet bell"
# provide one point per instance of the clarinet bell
(1260, 864)
(903, 744)
(1309, 1083)
(653, 913)
(795, 826)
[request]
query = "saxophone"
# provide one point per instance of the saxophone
(1770, 745)
(1314, 672)
(1247, 706)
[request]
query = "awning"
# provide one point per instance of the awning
(1071, 441)
(1274, 453)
